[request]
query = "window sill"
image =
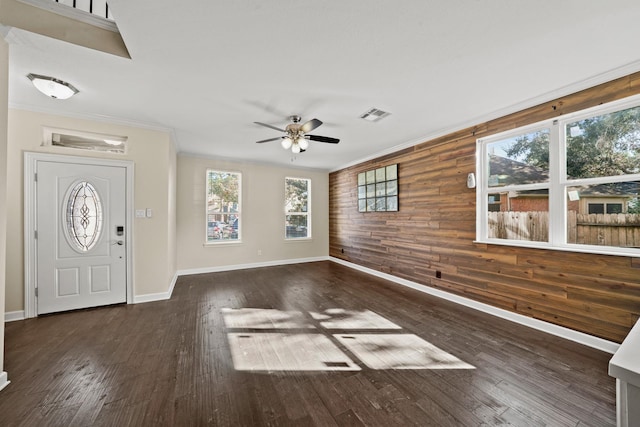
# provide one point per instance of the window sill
(222, 243)
(588, 249)
(298, 239)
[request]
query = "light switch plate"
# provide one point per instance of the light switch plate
(140, 213)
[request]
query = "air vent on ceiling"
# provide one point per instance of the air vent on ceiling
(374, 115)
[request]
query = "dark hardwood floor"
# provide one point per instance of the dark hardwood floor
(324, 345)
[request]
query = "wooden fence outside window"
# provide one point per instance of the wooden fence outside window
(620, 230)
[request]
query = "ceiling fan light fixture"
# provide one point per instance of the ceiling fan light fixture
(286, 143)
(302, 143)
(52, 87)
(295, 148)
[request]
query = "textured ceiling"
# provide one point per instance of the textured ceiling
(206, 70)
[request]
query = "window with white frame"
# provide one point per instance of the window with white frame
(570, 183)
(223, 206)
(297, 208)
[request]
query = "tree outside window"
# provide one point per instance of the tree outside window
(297, 203)
(569, 182)
(223, 206)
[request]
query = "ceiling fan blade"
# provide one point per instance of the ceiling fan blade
(268, 140)
(269, 126)
(323, 139)
(310, 125)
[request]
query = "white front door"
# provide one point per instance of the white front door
(81, 248)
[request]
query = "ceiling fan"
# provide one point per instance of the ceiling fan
(296, 136)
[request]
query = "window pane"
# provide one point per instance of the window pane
(614, 208)
(606, 145)
(297, 207)
(596, 208)
(296, 226)
(392, 203)
(371, 205)
(392, 188)
(392, 172)
(522, 159)
(604, 214)
(84, 216)
(371, 190)
(223, 206)
(371, 177)
(296, 195)
(519, 215)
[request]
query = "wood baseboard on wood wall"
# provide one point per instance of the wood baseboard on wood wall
(560, 331)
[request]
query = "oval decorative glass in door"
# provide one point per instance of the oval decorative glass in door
(83, 216)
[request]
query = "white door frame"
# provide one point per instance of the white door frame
(30, 258)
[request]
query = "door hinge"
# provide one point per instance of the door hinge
(35, 177)
(35, 234)
(36, 292)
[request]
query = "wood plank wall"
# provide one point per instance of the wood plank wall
(435, 228)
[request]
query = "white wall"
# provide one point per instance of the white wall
(153, 155)
(4, 84)
(262, 216)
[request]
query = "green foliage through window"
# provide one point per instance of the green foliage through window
(223, 206)
(297, 201)
(564, 182)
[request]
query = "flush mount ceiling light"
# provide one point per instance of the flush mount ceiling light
(374, 115)
(52, 87)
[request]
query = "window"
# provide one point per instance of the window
(223, 206)
(84, 216)
(600, 208)
(572, 183)
(378, 189)
(297, 196)
(80, 140)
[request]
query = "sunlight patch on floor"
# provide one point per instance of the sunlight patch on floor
(287, 352)
(261, 318)
(399, 351)
(265, 340)
(339, 318)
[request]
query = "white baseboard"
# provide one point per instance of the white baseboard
(232, 267)
(12, 316)
(560, 331)
(139, 299)
(4, 380)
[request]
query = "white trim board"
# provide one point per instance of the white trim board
(186, 272)
(4, 380)
(189, 271)
(12, 316)
(161, 296)
(550, 328)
